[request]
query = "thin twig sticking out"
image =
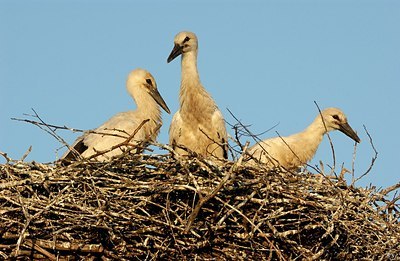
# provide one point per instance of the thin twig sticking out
(249, 133)
(57, 127)
(8, 159)
(239, 133)
(26, 153)
(274, 161)
(353, 161)
(373, 158)
(330, 141)
(51, 129)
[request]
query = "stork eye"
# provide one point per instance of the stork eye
(149, 81)
(336, 117)
(186, 39)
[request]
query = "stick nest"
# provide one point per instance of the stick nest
(142, 207)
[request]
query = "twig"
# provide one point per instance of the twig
(47, 125)
(353, 163)
(387, 190)
(58, 127)
(373, 158)
(49, 129)
(32, 244)
(8, 159)
(26, 153)
(250, 134)
(330, 141)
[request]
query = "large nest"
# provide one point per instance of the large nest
(142, 207)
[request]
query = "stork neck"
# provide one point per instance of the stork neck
(192, 94)
(315, 131)
(148, 108)
(189, 68)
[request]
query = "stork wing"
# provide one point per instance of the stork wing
(75, 150)
(174, 129)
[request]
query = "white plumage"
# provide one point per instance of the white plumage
(143, 89)
(198, 125)
(296, 150)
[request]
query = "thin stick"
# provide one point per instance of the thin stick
(8, 159)
(47, 125)
(57, 127)
(330, 141)
(26, 153)
(250, 134)
(373, 158)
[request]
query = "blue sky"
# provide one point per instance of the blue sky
(267, 61)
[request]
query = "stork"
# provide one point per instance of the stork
(296, 150)
(198, 125)
(143, 89)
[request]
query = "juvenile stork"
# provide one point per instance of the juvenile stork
(143, 89)
(198, 125)
(296, 150)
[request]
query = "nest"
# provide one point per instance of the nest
(142, 207)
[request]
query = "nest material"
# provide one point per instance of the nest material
(144, 207)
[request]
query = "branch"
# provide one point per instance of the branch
(247, 132)
(47, 125)
(390, 189)
(8, 159)
(257, 140)
(373, 158)
(57, 127)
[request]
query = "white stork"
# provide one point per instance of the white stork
(198, 125)
(296, 150)
(143, 89)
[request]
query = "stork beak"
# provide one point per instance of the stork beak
(175, 52)
(346, 129)
(157, 97)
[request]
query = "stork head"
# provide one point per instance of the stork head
(141, 81)
(335, 119)
(184, 42)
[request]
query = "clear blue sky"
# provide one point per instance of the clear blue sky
(267, 61)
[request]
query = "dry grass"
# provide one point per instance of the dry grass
(142, 207)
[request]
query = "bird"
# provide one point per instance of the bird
(143, 89)
(293, 152)
(198, 125)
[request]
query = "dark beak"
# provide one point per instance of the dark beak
(175, 52)
(346, 129)
(157, 97)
